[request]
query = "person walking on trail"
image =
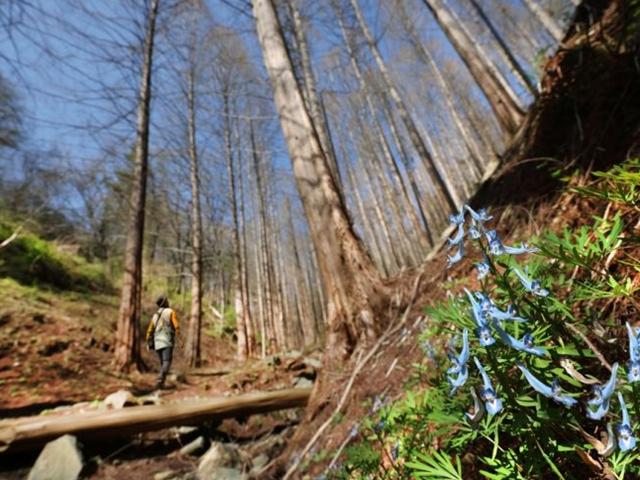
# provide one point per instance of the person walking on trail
(161, 335)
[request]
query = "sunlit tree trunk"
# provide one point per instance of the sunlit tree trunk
(505, 51)
(507, 111)
(547, 21)
(417, 141)
(244, 272)
(192, 346)
(127, 348)
(471, 142)
(310, 92)
(351, 282)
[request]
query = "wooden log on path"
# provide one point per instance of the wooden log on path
(31, 432)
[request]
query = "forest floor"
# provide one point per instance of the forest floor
(56, 356)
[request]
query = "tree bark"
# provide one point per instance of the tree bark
(352, 284)
(127, 348)
(242, 348)
(547, 21)
(507, 111)
(310, 93)
(417, 141)
(474, 148)
(192, 346)
(506, 52)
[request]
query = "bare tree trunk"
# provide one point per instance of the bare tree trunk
(410, 126)
(304, 313)
(507, 111)
(242, 351)
(310, 93)
(472, 144)
(386, 150)
(547, 21)
(351, 282)
(366, 222)
(192, 347)
(411, 173)
(264, 249)
(127, 349)
(244, 271)
(505, 51)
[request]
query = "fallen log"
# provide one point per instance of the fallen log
(31, 432)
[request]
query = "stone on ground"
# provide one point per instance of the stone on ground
(221, 462)
(60, 459)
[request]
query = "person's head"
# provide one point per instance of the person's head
(162, 301)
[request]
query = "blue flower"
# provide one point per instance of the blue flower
(532, 286)
(509, 314)
(483, 331)
(524, 345)
(459, 367)
(456, 257)
(491, 401)
(484, 336)
(485, 303)
(602, 396)
(552, 391)
(479, 315)
(457, 219)
(457, 382)
(626, 440)
(633, 373)
(478, 408)
(523, 248)
(458, 237)
(460, 360)
(481, 215)
(495, 244)
(483, 269)
(475, 230)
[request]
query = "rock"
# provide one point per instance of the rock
(260, 461)
(119, 399)
(221, 462)
(313, 362)
(192, 447)
(177, 377)
(225, 473)
(164, 475)
(302, 382)
(60, 459)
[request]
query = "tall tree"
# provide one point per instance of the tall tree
(351, 282)
(192, 347)
(127, 349)
(547, 20)
(506, 108)
(437, 177)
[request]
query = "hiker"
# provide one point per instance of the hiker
(161, 335)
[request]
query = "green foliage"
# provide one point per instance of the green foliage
(436, 465)
(33, 261)
(532, 436)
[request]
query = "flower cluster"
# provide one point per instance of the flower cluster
(489, 318)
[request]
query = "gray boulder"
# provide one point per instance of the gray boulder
(221, 462)
(60, 459)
